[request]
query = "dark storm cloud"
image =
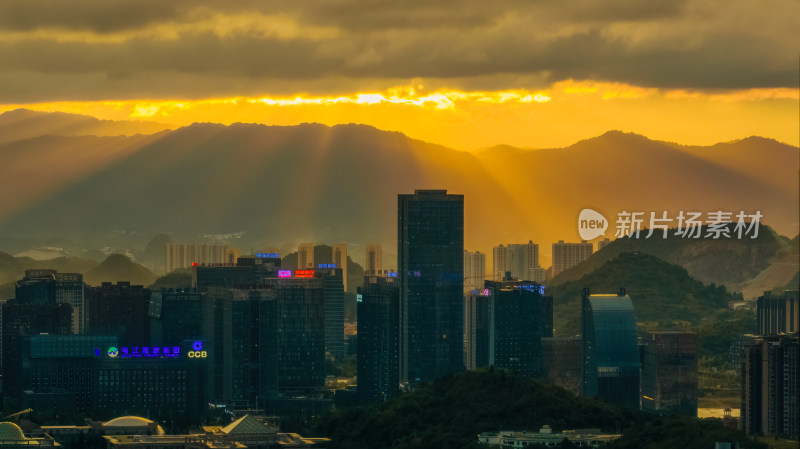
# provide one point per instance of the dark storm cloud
(106, 46)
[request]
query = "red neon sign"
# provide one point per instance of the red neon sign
(304, 273)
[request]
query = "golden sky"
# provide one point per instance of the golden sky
(466, 74)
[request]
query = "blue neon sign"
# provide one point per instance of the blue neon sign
(268, 255)
(327, 265)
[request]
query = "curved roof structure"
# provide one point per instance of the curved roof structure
(11, 432)
(128, 421)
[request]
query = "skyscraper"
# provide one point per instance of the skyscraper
(567, 255)
(610, 349)
(771, 387)
(50, 285)
(430, 257)
(778, 312)
(305, 256)
(181, 255)
(120, 310)
(519, 317)
(520, 259)
(669, 372)
(340, 259)
(378, 338)
(374, 259)
(474, 271)
(476, 330)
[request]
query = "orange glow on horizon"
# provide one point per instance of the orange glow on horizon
(559, 115)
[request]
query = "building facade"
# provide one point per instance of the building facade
(430, 241)
(610, 349)
(305, 256)
(378, 335)
(474, 271)
(50, 285)
(119, 309)
(562, 360)
(567, 255)
(669, 372)
(477, 316)
(179, 255)
(374, 259)
(778, 312)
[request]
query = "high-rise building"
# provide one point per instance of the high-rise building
(521, 260)
(305, 256)
(430, 255)
(669, 372)
(610, 349)
(120, 310)
(340, 260)
(519, 317)
(474, 271)
(374, 259)
(50, 285)
(770, 393)
(180, 255)
(477, 327)
(567, 255)
(562, 361)
(778, 312)
(499, 262)
(29, 315)
(378, 304)
(602, 243)
(333, 280)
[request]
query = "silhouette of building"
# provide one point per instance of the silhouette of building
(29, 315)
(333, 280)
(378, 304)
(305, 256)
(778, 312)
(770, 394)
(340, 260)
(610, 349)
(499, 262)
(120, 310)
(474, 271)
(562, 360)
(519, 317)
(567, 255)
(669, 372)
(50, 285)
(477, 326)
(430, 253)
(602, 243)
(374, 259)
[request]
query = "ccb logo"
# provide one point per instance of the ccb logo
(113, 351)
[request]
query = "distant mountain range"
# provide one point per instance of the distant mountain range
(281, 185)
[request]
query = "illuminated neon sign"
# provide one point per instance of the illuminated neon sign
(392, 274)
(268, 255)
(198, 352)
(284, 273)
(130, 352)
(304, 273)
(327, 265)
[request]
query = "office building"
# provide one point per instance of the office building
(333, 281)
(519, 317)
(305, 256)
(176, 315)
(23, 317)
(610, 349)
(778, 312)
(669, 372)
(119, 309)
(770, 394)
(567, 255)
(339, 253)
(430, 252)
(477, 326)
(474, 271)
(50, 285)
(374, 259)
(188, 255)
(378, 304)
(562, 360)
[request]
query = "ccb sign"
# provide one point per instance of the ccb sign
(198, 354)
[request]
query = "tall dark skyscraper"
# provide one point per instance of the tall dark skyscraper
(430, 259)
(610, 349)
(778, 312)
(378, 339)
(669, 372)
(50, 285)
(120, 310)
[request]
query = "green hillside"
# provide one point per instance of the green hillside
(728, 261)
(452, 411)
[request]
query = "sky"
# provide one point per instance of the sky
(467, 74)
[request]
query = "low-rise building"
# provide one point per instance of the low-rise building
(547, 438)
